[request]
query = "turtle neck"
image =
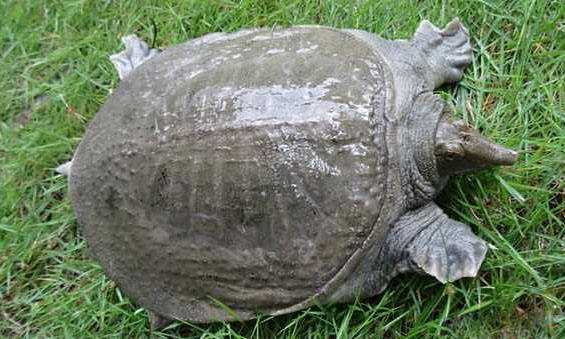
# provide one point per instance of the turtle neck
(422, 182)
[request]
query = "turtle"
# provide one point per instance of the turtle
(265, 171)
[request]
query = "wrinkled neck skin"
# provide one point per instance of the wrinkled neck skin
(433, 147)
(419, 175)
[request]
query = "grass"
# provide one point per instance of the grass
(55, 74)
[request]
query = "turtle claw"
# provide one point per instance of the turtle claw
(448, 51)
(137, 52)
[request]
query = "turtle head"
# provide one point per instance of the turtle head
(435, 146)
(459, 148)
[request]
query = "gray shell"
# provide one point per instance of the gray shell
(241, 171)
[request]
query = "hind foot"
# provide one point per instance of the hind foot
(448, 52)
(137, 52)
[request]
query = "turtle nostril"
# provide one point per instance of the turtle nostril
(503, 156)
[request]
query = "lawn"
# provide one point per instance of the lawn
(55, 74)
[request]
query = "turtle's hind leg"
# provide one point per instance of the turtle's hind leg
(447, 51)
(137, 52)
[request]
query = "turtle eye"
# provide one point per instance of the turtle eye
(466, 138)
(449, 150)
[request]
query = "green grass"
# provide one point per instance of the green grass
(55, 74)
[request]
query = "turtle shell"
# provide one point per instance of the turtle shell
(241, 170)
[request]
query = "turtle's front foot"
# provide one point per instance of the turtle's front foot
(448, 52)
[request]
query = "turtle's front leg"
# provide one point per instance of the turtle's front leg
(447, 51)
(426, 240)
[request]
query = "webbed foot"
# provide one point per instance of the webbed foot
(65, 169)
(137, 52)
(431, 242)
(448, 51)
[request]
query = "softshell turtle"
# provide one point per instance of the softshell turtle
(264, 171)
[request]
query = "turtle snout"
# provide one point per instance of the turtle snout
(484, 152)
(460, 148)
